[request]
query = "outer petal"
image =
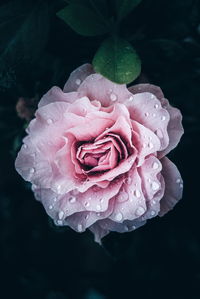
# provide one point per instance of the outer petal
(77, 77)
(101, 89)
(173, 186)
(130, 202)
(145, 141)
(146, 109)
(55, 94)
(175, 128)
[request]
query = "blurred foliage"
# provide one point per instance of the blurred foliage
(37, 51)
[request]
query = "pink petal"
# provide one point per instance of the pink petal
(173, 186)
(55, 94)
(149, 171)
(96, 87)
(145, 141)
(130, 202)
(77, 77)
(146, 109)
(140, 88)
(175, 128)
(83, 220)
(97, 199)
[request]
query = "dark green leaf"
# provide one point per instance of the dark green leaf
(85, 20)
(117, 60)
(124, 7)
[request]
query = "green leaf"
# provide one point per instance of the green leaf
(117, 60)
(85, 20)
(124, 7)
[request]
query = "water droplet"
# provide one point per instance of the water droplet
(156, 106)
(60, 215)
(152, 96)
(178, 181)
(101, 200)
(154, 186)
(122, 196)
(126, 228)
(72, 199)
(32, 170)
(137, 193)
(163, 118)
(119, 217)
(146, 114)
(80, 227)
(98, 207)
(139, 211)
(24, 146)
(181, 185)
(154, 115)
(131, 98)
(55, 198)
(149, 180)
(86, 217)
(49, 121)
(155, 165)
(59, 222)
(133, 227)
(153, 213)
(144, 145)
(150, 145)
(159, 133)
(113, 97)
(87, 204)
(98, 214)
(50, 207)
(58, 187)
(153, 202)
(78, 81)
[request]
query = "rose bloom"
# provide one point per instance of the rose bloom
(95, 154)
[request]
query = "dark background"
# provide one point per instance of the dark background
(38, 260)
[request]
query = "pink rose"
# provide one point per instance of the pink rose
(95, 154)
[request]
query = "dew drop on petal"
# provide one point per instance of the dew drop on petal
(24, 146)
(159, 133)
(153, 213)
(87, 204)
(50, 207)
(152, 96)
(154, 115)
(60, 215)
(113, 97)
(150, 145)
(137, 193)
(59, 222)
(181, 185)
(119, 217)
(163, 118)
(154, 186)
(156, 106)
(78, 81)
(178, 181)
(32, 170)
(155, 165)
(86, 217)
(130, 98)
(80, 227)
(98, 207)
(49, 121)
(98, 214)
(72, 199)
(139, 211)
(146, 114)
